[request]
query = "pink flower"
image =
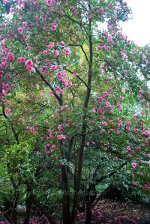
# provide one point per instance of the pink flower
(4, 91)
(119, 106)
(128, 128)
(56, 52)
(100, 47)
(70, 84)
(53, 67)
(148, 162)
(11, 10)
(20, 30)
(45, 52)
(146, 132)
(7, 102)
(60, 137)
(29, 48)
(22, 59)
(59, 127)
(62, 43)
(94, 110)
(128, 148)
(49, 2)
(24, 24)
(29, 65)
(51, 45)
(1, 73)
(54, 27)
(67, 51)
(8, 110)
(133, 165)
(108, 103)
(13, 86)
(11, 56)
(136, 130)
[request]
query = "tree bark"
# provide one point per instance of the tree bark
(84, 127)
(66, 197)
(88, 213)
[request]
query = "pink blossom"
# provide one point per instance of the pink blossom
(29, 48)
(13, 86)
(134, 116)
(56, 52)
(11, 56)
(148, 155)
(128, 128)
(45, 52)
(8, 110)
(100, 47)
(119, 106)
(70, 84)
(11, 10)
(29, 65)
(133, 165)
(94, 110)
(49, 2)
(20, 30)
(104, 123)
(4, 91)
(53, 67)
(54, 27)
(108, 103)
(128, 148)
(1, 73)
(24, 24)
(67, 51)
(22, 59)
(60, 137)
(148, 162)
(65, 83)
(7, 102)
(62, 43)
(59, 127)
(136, 130)
(138, 148)
(146, 132)
(51, 45)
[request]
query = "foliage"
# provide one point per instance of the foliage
(74, 106)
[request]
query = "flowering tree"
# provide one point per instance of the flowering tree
(82, 91)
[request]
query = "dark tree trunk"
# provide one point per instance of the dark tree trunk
(84, 128)
(28, 209)
(88, 213)
(66, 197)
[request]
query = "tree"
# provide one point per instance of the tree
(74, 81)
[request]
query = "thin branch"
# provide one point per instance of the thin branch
(104, 177)
(77, 77)
(11, 124)
(79, 45)
(49, 85)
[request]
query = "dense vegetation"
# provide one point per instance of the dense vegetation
(74, 108)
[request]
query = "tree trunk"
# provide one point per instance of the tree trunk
(66, 196)
(88, 213)
(84, 128)
(28, 209)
